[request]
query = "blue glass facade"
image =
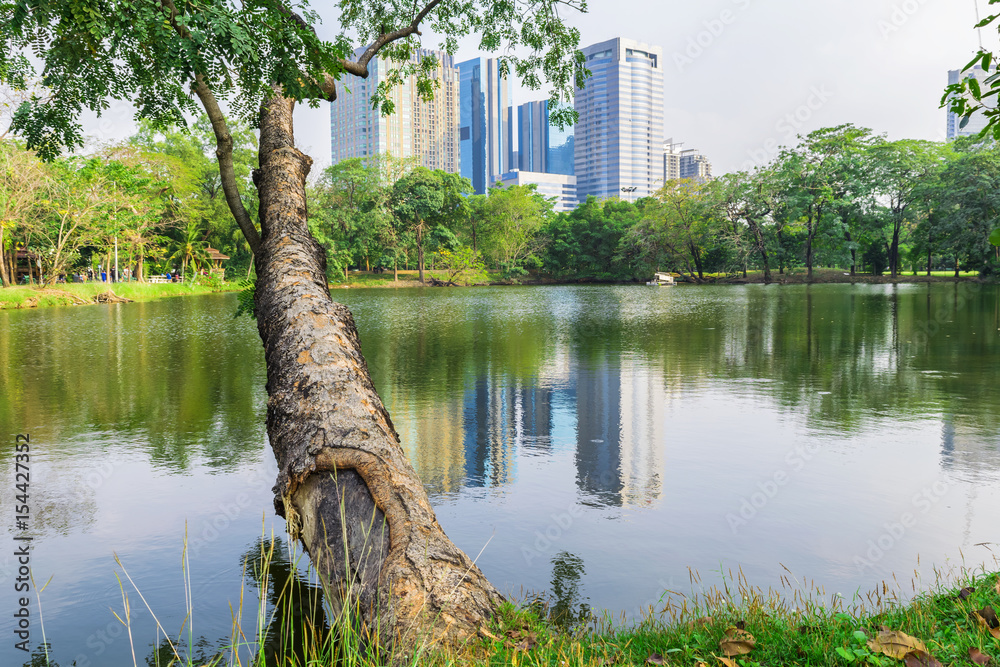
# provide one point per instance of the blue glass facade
(543, 147)
(486, 146)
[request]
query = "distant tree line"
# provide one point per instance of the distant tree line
(156, 199)
(843, 197)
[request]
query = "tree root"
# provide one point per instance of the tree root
(110, 297)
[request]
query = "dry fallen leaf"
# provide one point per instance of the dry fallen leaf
(656, 659)
(737, 642)
(727, 662)
(966, 592)
(920, 659)
(895, 644)
(700, 622)
(527, 643)
(978, 657)
(489, 635)
(988, 616)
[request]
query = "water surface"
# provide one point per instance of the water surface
(591, 442)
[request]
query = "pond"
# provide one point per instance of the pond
(588, 442)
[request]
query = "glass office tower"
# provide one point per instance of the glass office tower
(486, 141)
(619, 137)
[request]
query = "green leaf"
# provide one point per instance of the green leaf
(995, 237)
(974, 88)
(845, 654)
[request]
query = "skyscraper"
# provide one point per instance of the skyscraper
(428, 130)
(977, 121)
(543, 147)
(619, 137)
(695, 166)
(486, 123)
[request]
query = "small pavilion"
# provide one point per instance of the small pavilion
(216, 258)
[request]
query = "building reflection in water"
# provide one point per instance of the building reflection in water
(613, 409)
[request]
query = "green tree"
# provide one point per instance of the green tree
(22, 177)
(424, 199)
(584, 243)
(186, 158)
(746, 201)
(675, 230)
(965, 207)
(513, 218)
(76, 197)
(327, 426)
(897, 169)
(817, 177)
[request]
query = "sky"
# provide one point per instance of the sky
(742, 77)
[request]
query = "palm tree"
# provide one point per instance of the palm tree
(191, 248)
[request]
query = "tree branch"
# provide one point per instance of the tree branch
(360, 68)
(223, 143)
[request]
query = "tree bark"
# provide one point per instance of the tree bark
(810, 232)
(344, 484)
(3, 262)
(894, 248)
(420, 251)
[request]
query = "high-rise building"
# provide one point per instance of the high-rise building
(671, 161)
(486, 123)
(685, 164)
(619, 136)
(559, 187)
(428, 130)
(977, 121)
(695, 166)
(542, 146)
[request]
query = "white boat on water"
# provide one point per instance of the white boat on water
(661, 279)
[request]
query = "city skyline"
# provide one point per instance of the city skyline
(762, 73)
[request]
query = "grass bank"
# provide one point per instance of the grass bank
(78, 294)
(952, 623)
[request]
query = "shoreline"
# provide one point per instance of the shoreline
(89, 294)
(79, 294)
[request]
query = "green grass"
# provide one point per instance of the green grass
(73, 293)
(785, 631)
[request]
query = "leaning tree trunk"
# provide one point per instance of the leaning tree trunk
(343, 476)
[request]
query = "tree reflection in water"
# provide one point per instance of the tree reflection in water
(565, 607)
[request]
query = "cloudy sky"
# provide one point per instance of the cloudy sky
(743, 76)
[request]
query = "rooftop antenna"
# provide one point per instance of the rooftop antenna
(979, 31)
